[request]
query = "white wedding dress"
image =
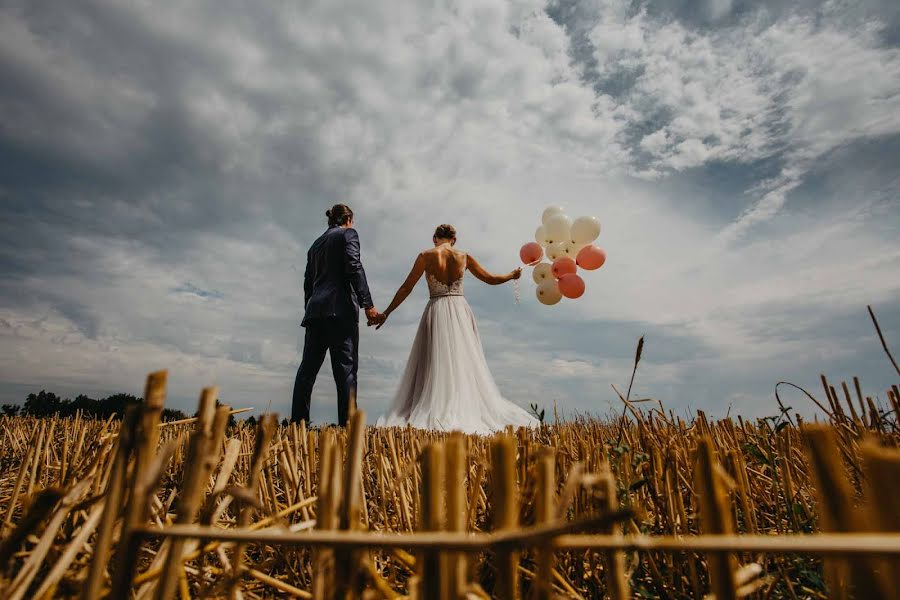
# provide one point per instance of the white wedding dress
(447, 384)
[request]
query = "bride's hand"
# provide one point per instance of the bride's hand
(380, 320)
(516, 274)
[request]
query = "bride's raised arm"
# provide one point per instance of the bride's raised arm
(407, 287)
(489, 278)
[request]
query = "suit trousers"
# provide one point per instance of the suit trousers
(340, 338)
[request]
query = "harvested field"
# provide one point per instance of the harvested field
(647, 506)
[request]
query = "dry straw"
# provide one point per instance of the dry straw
(646, 505)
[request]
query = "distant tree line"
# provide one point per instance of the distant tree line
(252, 420)
(47, 404)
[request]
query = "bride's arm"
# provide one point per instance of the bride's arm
(406, 289)
(489, 278)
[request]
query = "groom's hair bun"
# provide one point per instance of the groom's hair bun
(339, 214)
(445, 232)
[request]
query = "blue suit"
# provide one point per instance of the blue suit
(335, 288)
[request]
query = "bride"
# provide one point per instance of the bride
(447, 384)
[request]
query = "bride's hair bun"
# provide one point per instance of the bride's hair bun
(339, 214)
(445, 232)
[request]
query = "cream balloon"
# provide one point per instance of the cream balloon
(557, 228)
(585, 230)
(551, 211)
(540, 236)
(548, 293)
(571, 248)
(542, 273)
(556, 250)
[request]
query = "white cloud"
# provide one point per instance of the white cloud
(795, 88)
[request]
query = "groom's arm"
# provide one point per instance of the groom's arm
(354, 269)
(307, 280)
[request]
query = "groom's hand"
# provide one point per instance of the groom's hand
(371, 316)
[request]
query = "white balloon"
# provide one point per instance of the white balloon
(556, 250)
(585, 230)
(548, 292)
(550, 211)
(557, 228)
(540, 236)
(571, 249)
(542, 272)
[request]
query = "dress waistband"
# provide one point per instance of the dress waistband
(447, 295)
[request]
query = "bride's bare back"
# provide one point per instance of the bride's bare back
(444, 263)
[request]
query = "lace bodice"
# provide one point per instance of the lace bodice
(439, 289)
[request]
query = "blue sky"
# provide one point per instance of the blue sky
(164, 166)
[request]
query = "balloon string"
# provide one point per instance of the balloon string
(516, 281)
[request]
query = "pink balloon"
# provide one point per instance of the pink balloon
(563, 266)
(571, 285)
(531, 253)
(591, 258)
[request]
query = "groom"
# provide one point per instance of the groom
(335, 288)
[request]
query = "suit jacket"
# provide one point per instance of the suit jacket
(335, 282)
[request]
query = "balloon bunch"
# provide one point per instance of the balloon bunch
(568, 245)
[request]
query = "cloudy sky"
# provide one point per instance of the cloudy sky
(165, 165)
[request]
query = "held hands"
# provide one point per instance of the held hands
(373, 317)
